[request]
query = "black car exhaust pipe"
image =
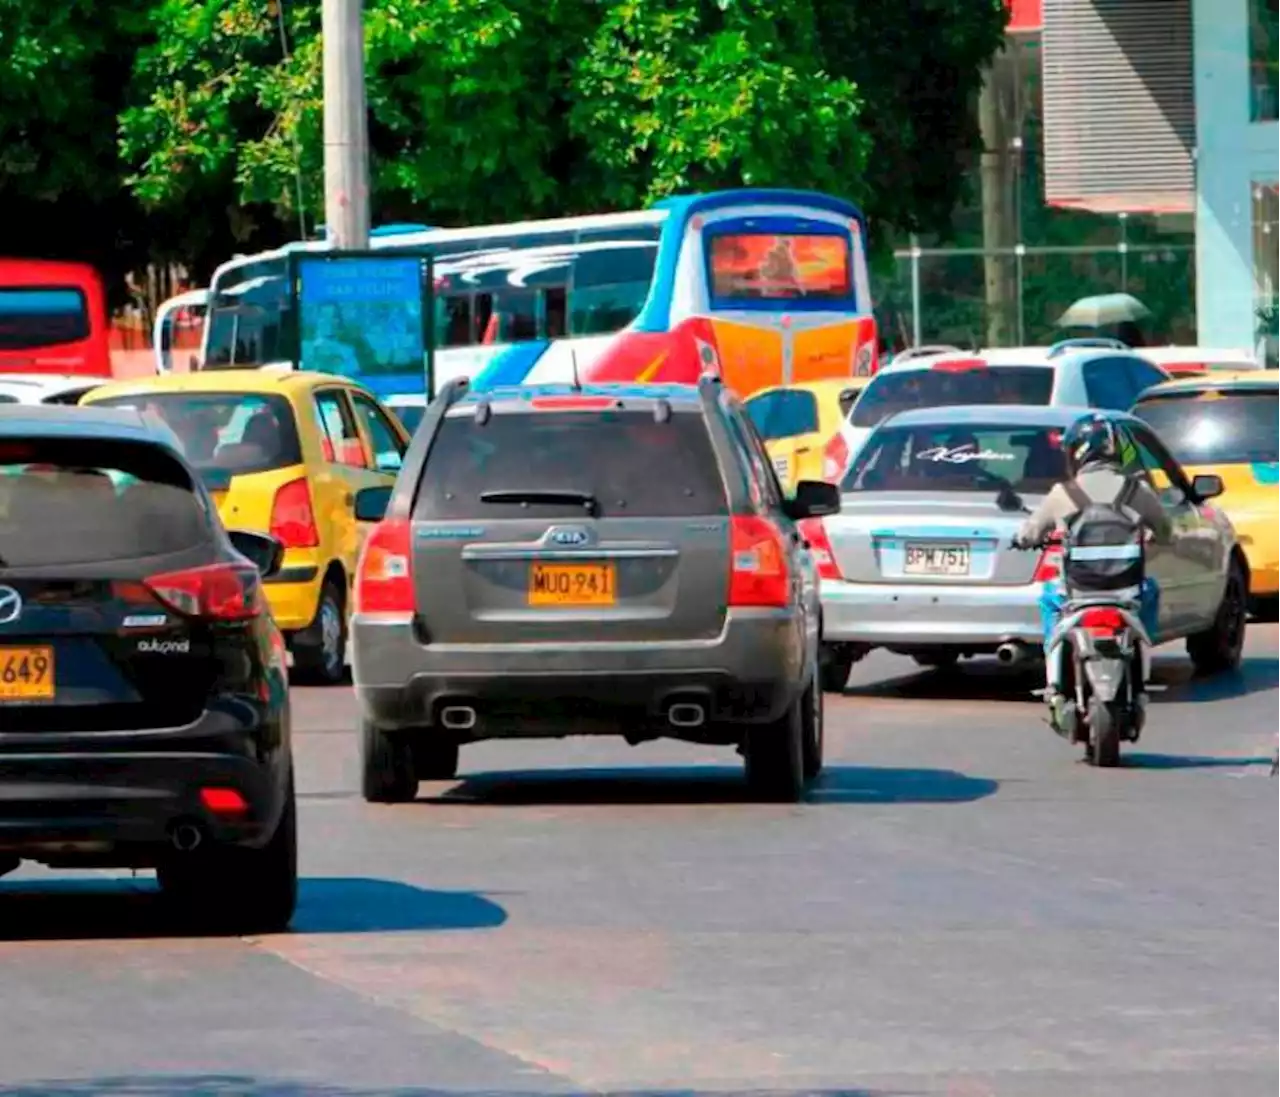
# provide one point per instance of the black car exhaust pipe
(186, 837)
(458, 717)
(686, 715)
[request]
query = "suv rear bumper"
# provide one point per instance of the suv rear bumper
(118, 795)
(749, 673)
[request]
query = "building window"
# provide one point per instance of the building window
(1264, 41)
(1266, 267)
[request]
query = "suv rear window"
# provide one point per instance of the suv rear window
(959, 457)
(628, 462)
(784, 413)
(1233, 428)
(900, 390)
(230, 432)
(71, 501)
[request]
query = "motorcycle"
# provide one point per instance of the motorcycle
(1099, 655)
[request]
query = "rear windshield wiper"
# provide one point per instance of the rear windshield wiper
(1010, 500)
(544, 495)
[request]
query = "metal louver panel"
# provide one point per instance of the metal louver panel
(1119, 105)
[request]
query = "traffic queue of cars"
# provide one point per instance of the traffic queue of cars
(630, 560)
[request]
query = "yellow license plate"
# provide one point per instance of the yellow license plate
(26, 674)
(572, 585)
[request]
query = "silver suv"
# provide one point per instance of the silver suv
(603, 560)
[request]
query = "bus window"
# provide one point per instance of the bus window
(555, 305)
(453, 320)
(611, 278)
(510, 316)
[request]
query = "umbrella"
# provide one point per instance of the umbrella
(1102, 310)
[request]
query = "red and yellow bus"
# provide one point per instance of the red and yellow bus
(53, 319)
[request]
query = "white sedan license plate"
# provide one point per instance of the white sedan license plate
(936, 559)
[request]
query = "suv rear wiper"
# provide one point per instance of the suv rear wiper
(544, 495)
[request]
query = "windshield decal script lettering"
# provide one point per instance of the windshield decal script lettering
(961, 455)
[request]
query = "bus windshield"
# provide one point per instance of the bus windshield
(36, 317)
(248, 318)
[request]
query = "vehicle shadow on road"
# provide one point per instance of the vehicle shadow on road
(66, 909)
(1140, 760)
(970, 680)
(695, 785)
(1257, 674)
(231, 1085)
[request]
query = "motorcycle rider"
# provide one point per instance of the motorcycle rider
(1092, 448)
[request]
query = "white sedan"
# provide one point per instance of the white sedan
(45, 388)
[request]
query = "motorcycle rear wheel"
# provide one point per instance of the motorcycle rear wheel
(1106, 729)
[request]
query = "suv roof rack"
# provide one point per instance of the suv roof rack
(1099, 342)
(925, 351)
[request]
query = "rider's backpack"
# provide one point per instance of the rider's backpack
(1104, 550)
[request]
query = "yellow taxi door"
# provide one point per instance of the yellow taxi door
(346, 471)
(385, 442)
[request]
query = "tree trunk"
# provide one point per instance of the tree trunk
(999, 125)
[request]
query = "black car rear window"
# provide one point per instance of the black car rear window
(226, 432)
(783, 413)
(959, 457)
(627, 462)
(1222, 428)
(79, 501)
(893, 390)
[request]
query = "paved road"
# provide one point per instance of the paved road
(962, 910)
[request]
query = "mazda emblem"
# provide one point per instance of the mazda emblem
(10, 605)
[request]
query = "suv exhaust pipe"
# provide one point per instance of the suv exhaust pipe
(186, 837)
(686, 715)
(458, 717)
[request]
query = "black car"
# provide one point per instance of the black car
(144, 708)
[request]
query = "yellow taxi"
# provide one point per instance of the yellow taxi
(284, 453)
(796, 421)
(1226, 423)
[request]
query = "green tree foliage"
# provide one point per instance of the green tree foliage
(491, 109)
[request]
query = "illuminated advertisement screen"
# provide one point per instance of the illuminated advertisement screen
(780, 267)
(361, 316)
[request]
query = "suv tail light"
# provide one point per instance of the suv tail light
(758, 573)
(293, 521)
(221, 592)
(1050, 566)
(834, 458)
(384, 574)
(1102, 621)
(815, 532)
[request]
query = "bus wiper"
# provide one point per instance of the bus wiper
(544, 495)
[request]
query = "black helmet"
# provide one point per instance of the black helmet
(1090, 441)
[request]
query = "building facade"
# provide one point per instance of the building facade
(1130, 146)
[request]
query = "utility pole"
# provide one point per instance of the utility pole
(346, 125)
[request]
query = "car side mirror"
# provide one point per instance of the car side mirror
(813, 499)
(372, 503)
(1207, 486)
(262, 550)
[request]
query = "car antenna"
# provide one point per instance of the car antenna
(573, 361)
